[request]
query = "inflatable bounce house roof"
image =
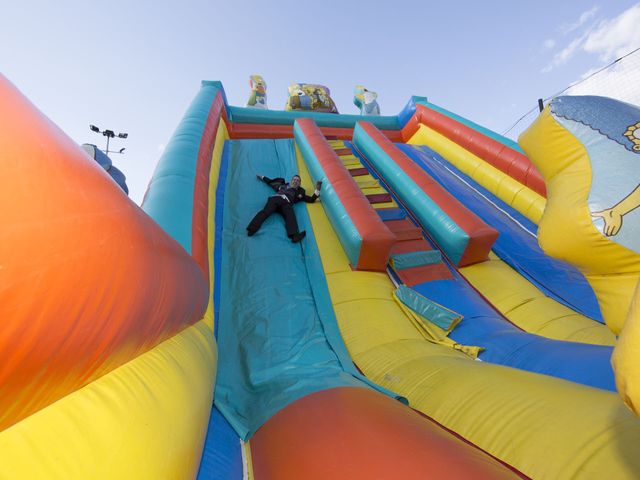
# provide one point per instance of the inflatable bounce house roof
(451, 313)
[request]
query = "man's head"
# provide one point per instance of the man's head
(295, 181)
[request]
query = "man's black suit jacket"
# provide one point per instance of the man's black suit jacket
(294, 195)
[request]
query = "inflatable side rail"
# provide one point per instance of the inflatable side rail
(504, 158)
(462, 236)
(365, 238)
(177, 197)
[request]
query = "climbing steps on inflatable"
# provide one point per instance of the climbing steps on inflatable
(376, 194)
(409, 238)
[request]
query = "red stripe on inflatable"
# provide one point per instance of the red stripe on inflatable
(358, 434)
(199, 219)
(506, 159)
(377, 240)
(243, 131)
(481, 235)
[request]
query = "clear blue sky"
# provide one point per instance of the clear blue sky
(135, 66)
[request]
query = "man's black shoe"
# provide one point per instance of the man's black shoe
(251, 233)
(296, 237)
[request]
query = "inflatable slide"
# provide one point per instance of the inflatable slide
(452, 311)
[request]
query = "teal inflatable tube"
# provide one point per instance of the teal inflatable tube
(275, 117)
(169, 197)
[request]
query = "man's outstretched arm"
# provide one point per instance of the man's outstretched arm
(316, 194)
(272, 182)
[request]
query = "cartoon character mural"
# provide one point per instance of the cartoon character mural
(589, 155)
(365, 100)
(310, 97)
(258, 98)
(613, 216)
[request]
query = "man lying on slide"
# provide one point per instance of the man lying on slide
(287, 194)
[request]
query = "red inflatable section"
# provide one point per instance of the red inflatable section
(506, 159)
(84, 271)
(199, 234)
(358, 434)
(377, 240)
(243, 131)
(481, 236)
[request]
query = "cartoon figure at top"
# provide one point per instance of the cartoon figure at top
(310, 97)
(258, 98)
(365, 100)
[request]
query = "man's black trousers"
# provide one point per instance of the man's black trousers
(280, 205)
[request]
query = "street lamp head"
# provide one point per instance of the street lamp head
(121, 150)
(123, 135)
(93, 128)
(109, 133)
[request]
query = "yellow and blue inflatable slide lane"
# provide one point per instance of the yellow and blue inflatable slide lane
(536, 292)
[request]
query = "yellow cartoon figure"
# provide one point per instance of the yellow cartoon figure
(258, 98)
(613, 216)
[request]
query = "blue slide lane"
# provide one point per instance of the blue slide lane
(507, 345)
(278, 337)
(519, 249)
(504, 343)
(222, 455)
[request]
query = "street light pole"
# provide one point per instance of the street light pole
(109, 134)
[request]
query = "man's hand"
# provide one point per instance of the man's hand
(318, 185)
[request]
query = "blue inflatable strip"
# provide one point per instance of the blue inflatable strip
(279, 117)
(169, 197)
(421, 155)
(222, 454)
(415, 259)
(386, 214)
(507, 345)
(277, 333)
(350, 238)
(479, 128)
(450, 237)
(515, 245)
(217, 245)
